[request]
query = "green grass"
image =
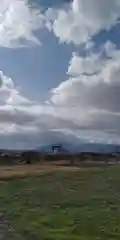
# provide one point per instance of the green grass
(64, 205)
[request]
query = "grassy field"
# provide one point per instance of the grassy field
(80, 204)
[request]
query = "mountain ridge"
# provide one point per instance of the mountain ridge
(83, 147)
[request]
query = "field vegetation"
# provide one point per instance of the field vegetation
(60, 203)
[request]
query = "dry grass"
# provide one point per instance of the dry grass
(7, 172)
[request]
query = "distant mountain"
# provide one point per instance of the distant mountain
(96, 147)
(83, 147)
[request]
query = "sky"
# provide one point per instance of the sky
(59, 72)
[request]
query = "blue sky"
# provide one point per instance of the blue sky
(36, 70)
(60, 72)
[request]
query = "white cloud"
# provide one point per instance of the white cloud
(109, 48)
(83, 19)
(24, 123)
(79, 65)
(75, 23)
(18, 21)
(84, 107)
(8, 93)
(90, 97)
(77, 112)
(89, 45)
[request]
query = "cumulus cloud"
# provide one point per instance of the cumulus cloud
(83, 19)
(77, 111)
(83, 107)
(18, 21)
(25, 123)
(109, 48)
(76, 22)
(91, 94)
(90, 65)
